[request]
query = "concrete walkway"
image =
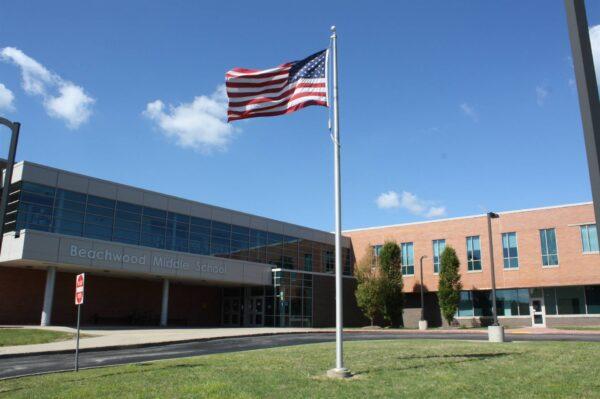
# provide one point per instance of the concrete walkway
(96, 338)
(119, 337)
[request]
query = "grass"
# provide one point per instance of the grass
(400, 368)
(27, 336)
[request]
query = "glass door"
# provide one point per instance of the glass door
(231, 311)
(255, 311)
(538, 312)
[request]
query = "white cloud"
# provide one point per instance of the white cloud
(6, 98)
(62, 99)
(595, 42)
(200, 124)
(388, 200)
(541, 93)
(469, 111)
(410, 202)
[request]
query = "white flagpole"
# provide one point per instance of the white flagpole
(339, 371)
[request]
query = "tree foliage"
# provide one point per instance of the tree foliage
(369, 299)
(390, 264)
(449, 284)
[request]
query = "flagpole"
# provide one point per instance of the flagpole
(339, 371)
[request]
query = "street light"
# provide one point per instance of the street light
(422, 322)
(495, 331)
(14, 127)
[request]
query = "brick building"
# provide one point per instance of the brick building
(546, 264)
(153, 259)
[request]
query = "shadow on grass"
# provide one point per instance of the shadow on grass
(457, 359)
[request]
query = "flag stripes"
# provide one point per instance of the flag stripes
(277, 91)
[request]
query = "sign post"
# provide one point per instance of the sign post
(79, 287)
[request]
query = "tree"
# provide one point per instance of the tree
(390, 263)
(449, 284)
(368, 290)
(369, 299)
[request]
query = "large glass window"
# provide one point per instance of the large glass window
(589, 238)
(510, 251)
(438, 248)
(408, 259)
(549, 299)
(549, 247)
(465, 304)
(513, 302)
(592, 297)
(473, 253)
(39, 207)
(329, 260)
(570, 300)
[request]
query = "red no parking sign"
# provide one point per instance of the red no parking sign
(79, 286)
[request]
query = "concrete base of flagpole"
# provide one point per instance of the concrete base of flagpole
(422, 325)
(496, 333)
(339, 373)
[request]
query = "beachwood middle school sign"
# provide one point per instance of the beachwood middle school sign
(89, 254)
(168, 262)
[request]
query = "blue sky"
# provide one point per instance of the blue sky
(454, 107)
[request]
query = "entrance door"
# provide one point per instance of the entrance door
(255, 307)
(538, 312)
(231, 311)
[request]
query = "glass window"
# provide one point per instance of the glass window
(308, 262)
(510, 251)
(377, 250)
(549, 299)
(97, 232)
(592, 297)
(549, 247)
(99, 201)
(38, 189)
(482, 303)
(513, 302)
(570, 300)
(438, 248)
(329, 260)
(473, 253)
(465, 304)
(589, 238)
(408, 259)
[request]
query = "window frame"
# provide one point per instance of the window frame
(587, 234)
(507, 234)
(548, 254)
(439, 256)
(471, 262)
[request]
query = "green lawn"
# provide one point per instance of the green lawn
(26, 336)
(401, 368)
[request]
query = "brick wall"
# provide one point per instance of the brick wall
(575, 267)
(21, 295)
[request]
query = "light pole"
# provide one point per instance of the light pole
(14, 127)
(422, 322)
(587, 88)
(495, 331)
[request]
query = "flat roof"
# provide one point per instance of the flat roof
(469, 217)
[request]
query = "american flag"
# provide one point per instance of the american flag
(277, 91)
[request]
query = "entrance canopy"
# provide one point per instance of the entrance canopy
(37, 248)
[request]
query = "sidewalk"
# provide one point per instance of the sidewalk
(105, 338)
(117, 337)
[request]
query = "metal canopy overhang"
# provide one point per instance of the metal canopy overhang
(36, 249)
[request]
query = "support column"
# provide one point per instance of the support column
(164, 313)
(48, 296)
